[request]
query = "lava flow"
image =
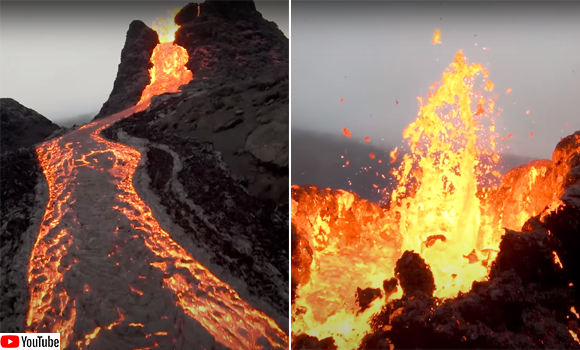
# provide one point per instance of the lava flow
(104, 270)
(437, 210)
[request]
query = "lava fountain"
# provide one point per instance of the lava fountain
(436, 210)
(74, 166)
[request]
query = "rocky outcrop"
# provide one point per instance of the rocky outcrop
(246, 121)
(133, 71)
(239, 98)
(21, 126)
(527, 189)
(231, 41)
(247, 235)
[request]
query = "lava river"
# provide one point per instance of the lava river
(103, 272)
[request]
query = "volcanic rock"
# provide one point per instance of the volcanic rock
(365, 297)
(247, 235)
(414, 274)
(526, 190)
(133, 71)
(306, 342)
(21, 126)
(231, 41)
(19, 176)
(390, 287)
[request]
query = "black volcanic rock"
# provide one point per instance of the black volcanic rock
(306, 342)
(20, 174)
(365, 297)
(231, 40)
(21, 126)
(248, 235)
(133, 72)
(414, 274)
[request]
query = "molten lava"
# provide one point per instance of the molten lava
(199, 293)
(437, 210)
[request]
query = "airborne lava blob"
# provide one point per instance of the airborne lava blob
(435, 211)
(90, 180)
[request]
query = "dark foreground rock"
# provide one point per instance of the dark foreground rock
(247, 235)
(21, 126)
(19, 175)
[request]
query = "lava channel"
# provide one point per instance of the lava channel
(103, 270)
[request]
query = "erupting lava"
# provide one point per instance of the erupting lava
(437, 210)
(99, 235)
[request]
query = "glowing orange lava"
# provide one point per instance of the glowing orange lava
(436, 37)
(211, 302)
(434, 211)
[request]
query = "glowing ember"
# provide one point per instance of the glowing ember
(212, 303)
(508, 91)
(367, 139)
(436, 37)
(346, 133)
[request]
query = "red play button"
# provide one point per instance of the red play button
(9, 341)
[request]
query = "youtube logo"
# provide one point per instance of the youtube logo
(9, 341)
(31, 341)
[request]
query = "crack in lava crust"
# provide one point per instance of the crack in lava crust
(101, 258)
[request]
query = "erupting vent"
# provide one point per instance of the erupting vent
(439, 210)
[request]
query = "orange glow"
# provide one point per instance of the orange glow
(394, 155)
(166, 27)
(346, 133)
(436, 37)
(531, 134)
(168, 72)
(367, 139)
(489, 86)
(573, 310)
(342, 100)
(528, 112)
(372, 155)
(451, 148)
(557, 260)
(509, 90)
(221, 311)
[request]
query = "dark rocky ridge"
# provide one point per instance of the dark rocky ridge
(133, 72)
(21, 126)
(238, 100)
(231, 41)
(247, 236)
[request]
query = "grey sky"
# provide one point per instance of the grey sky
(384, 49)
(61, 58)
